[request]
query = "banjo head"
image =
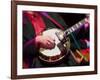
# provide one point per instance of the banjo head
(55, 54)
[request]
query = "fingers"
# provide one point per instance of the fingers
(51, 40)
(50, 45)
(47, 42)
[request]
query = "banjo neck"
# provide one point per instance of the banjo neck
(62, 43)
(74, 27)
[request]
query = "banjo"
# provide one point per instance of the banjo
(62, 43)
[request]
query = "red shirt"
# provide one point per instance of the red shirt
(37, 22)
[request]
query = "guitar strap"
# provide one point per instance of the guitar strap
(53, 20)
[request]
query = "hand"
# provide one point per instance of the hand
(45, 42)
(87, 22)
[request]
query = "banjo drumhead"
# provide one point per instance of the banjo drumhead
(51, 55)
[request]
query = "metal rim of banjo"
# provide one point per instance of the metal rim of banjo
(50, 60)
(56, 58)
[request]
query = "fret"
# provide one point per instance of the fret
(80, 23)
(74, 27)
(77, 26)
(71, 29)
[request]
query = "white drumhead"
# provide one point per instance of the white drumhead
(55, 51)
(52, 52)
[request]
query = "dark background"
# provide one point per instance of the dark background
(72, 18)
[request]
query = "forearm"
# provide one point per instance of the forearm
(33, 41)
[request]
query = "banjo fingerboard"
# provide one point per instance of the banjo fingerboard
(74, 27)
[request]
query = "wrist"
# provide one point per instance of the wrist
(37, 41)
